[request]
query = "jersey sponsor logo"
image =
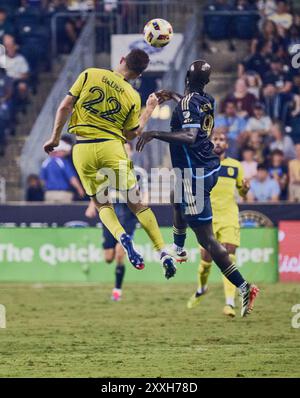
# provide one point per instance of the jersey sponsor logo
(230, 171)
(206, 107)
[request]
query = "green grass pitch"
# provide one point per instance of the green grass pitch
(69, 331)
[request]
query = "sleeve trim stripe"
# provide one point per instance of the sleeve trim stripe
(135, 128)
(186, 101)
(85, 78)
(186, 126)
(72, 95)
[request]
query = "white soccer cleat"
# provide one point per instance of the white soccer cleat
(247, 297)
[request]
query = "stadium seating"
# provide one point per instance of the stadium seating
(273, 82)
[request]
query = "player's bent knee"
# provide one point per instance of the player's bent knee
(137, 207)
(109, 255)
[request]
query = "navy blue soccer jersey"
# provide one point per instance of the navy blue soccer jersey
(194, 111)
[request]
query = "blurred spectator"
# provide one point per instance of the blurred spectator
(294, 176)
(292, 38)
(67, 27)
(2, 138)
(232, 125)
(279, 172)
(248, 163)
(266, 7)
(243, 100)
(258, 145)
(6, 92)
(282, 17)
(254, 83)
(282, 141)
(257, 62)
(34, 189)
(263, 188)
(259, 122)
(17, 69)
(58, 176)
(278, 77)
(267, 38)
(280, 105)
(68, 139)
(229, 122)
(5, 26)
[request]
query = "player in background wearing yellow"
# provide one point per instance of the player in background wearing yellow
(225, 221)
(105, 112)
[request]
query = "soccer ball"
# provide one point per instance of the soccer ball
(158, 32)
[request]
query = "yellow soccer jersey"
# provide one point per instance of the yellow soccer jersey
(224, 206)
(106, 105)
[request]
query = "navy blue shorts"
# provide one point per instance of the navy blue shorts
(128, 222)
(196, 198)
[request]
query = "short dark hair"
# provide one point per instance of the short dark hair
(277, 152)
(279, 124)
(262, 166)
(230, 101)
(32, 177)
(137, 60)
(248, 148)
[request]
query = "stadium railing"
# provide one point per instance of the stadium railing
(81, 58)
(54, 26)
(128, 17)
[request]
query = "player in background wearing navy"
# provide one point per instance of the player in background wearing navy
(191, 149)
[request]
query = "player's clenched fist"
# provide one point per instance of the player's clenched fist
(50, 145)
(152, 101)
(245, 188)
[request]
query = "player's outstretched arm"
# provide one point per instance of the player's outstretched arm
(185, 136)
(167, 95)
(151, 104)
(61, 117)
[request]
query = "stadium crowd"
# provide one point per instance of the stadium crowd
(261, 115)
(25, 31)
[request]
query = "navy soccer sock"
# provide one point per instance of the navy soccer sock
(120, 272)
(179, 236)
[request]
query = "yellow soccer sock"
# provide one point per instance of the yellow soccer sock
(229, 288)
(109, 218)
(203, 273)
(148, 221)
